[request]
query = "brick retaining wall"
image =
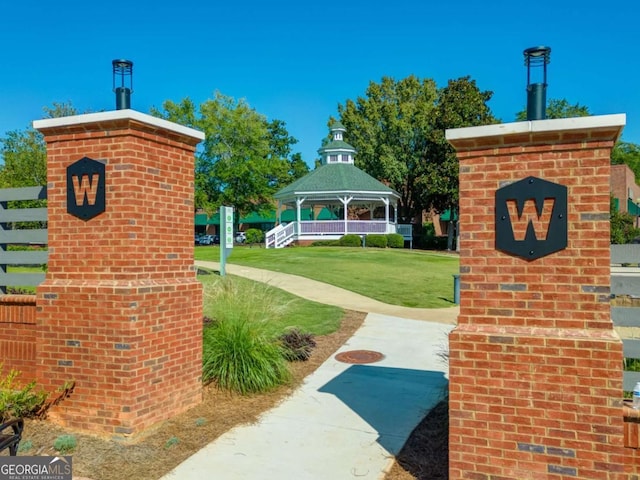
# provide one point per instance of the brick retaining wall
(18, 340)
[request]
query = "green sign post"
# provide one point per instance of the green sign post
(226, 238)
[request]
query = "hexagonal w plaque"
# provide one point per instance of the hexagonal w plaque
(86, 197)
(531, 218)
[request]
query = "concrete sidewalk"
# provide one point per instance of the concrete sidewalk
(330, 295)
(345, 421)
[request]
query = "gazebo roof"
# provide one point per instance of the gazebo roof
(336, 179)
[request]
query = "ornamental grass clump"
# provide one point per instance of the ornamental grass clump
(239, 352)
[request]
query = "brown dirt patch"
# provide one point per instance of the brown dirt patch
(180, 437)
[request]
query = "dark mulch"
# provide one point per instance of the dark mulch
(425, 456)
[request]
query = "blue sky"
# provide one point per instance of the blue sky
(295, 60)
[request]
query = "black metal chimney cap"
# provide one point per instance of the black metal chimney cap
(540, 54)
(122, 63)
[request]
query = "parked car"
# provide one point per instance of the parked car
(208, 240)
(241, 237)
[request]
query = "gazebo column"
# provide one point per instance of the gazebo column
(345, 203)
(386, 213)
(299, 202)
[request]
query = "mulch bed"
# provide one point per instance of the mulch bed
(162, 449)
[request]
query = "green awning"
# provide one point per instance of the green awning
(326, 214)
(633, 208)
(288, 215)
(201, 219)
(446, 216)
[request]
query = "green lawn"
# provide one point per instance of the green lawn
(258, 300)
(410, 278)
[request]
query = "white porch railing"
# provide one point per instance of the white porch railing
(340, 227)
(281, 236)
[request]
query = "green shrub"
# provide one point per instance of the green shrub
(18, 400)
(395, 240)
(25, 446)
(296, 345)
(173, 441)
(65, 444)
(350, 240)
(326, 243)
(254, 236)
(427, 238)
(375, 241)
(238, 352)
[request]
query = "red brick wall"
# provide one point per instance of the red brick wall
(18, 338)
(535, 364)
(120, 310)
(623, 180)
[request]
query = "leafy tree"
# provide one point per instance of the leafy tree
(558, 108)
(629, 153)
(390, 128)
(398, 130)
(623, 226)
(244, 160)
(460, 104)
(24, 156)
(23, 152)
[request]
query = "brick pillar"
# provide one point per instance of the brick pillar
(535, 364)
(120, 310)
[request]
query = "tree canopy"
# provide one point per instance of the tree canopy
(627, 153)
(623, 152)
(24, 153)
(244, 159)
(398, 127)
(558, 108)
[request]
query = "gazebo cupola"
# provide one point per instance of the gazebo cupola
(337, 150)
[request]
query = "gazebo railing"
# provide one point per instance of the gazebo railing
(321, 227)
(364, 227)
(338, 227)
(282, 235)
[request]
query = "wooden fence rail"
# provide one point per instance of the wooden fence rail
(9, 235)
(625, 284)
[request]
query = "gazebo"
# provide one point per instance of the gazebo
(361, 204)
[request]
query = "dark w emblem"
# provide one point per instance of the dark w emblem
(86, 188)
(531, 218)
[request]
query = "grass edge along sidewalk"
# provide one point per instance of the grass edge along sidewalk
(408, 278)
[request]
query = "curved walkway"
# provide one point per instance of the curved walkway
(345, 421)
(328, 294)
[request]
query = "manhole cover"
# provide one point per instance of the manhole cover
(359, 356)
